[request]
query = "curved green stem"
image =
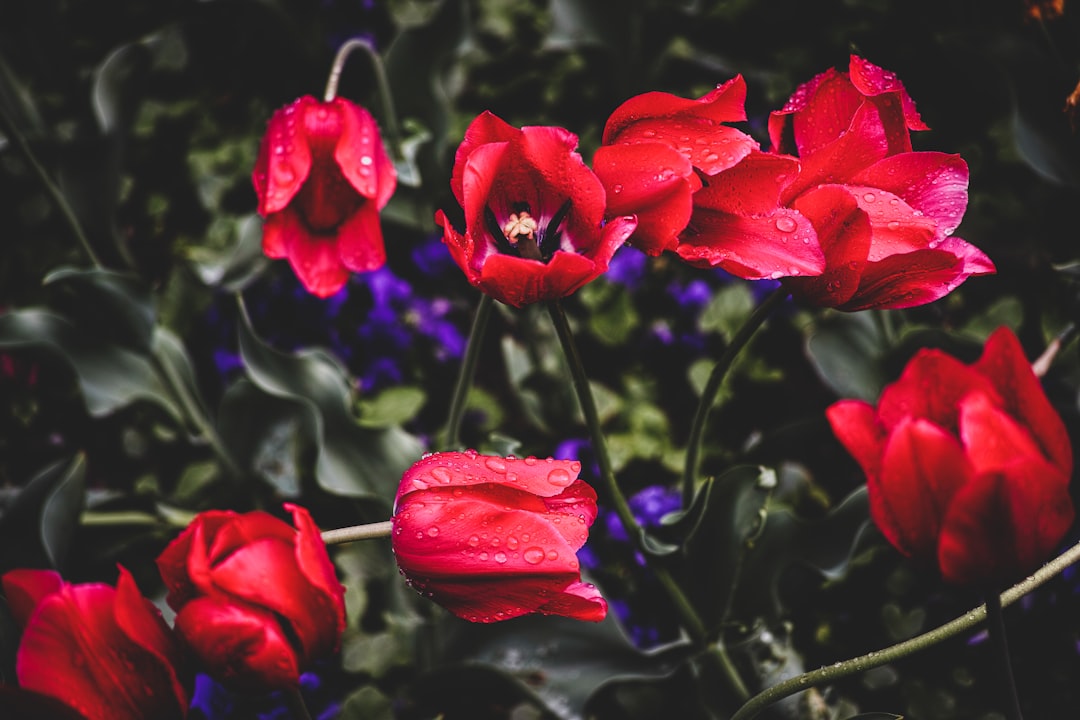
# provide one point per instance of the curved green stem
(295, 702)
(357, 532)
(467, 372)
(58, 197)
(716, 379)
(689, 618)
(393, 132)
(999, 645)
(908, 647)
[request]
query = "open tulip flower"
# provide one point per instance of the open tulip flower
(883, 215)
(256, 599)
(967, 467)
(534, 213)
(104, 652)
(653, 146)
(492, 538)
(322, 176)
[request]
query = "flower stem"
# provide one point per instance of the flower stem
(467, 372)
(689, 618)
(995, 621)
(890, 654)
(295, 702)
(716, 379)
(357, 532)
(12, 130)
(385, 97)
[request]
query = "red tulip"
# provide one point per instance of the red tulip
(104, 652)
(534, 213)
(652, 145)
(492, 538)
(321, 177)
(255, 599)
(967, 467)
(883, 215)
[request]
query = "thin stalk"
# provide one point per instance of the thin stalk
(893, 653)
(716, 379)
(386, 99)
(50, 186)
(194, 413)
(467, 372)
(358, 532)
(295, 702)
(689, 618)
(1000, 647)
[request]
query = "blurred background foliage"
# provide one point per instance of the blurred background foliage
(137, 393)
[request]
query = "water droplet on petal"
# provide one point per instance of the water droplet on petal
(552, 555)
(617, 189)
(533, 555)
(433, 531)
(495, 465)
(559, 477)
(500, 557)
(441, 474)
(366, 160)
(785, 224)
(474, 540)
(869, 197)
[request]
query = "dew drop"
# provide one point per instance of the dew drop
(441, 474)
(617, 189)
(552, 555)
(474, 540)
(785, 224)
(500, 557)
(869, 197)
(894, 225)
(559, 477)
(512, 542)
(712, 157)
(432, 531)
(533, 555)
(531, 460)
(366, 160)
(483, 556)
(776, 275)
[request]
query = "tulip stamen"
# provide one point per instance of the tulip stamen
(520, 226)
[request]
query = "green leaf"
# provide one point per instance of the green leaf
(392, 406)
(47, 509)
(108, 304)
(234, 266)
(727, 311)
(563, 661)
(109, 376)
(367, 703)
(847, 351)
(266, 434)
(351, 460)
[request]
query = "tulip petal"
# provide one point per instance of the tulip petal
(314, 562)
(931, 386)
(933, 183)
(1002, 525)
(854, 424)
(922, 468)
(316, 261)
(661, 201)
(1003, 361)
(707, 146)
(844, 233)
(486, 128)
(725, 103)
(142, 623)
(284, 159)
(580, 601)
(917, 278)
(546, 477)
(73, 650)
(863, 144)
(24, 590)
(360, 153)
(494, 598)
(240, 645)
(360, 240)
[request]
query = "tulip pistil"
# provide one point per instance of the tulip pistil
(522, 235)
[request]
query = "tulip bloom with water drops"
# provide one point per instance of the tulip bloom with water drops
(883, 214)
(322, 176)
(105, 652)
(492, 538)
